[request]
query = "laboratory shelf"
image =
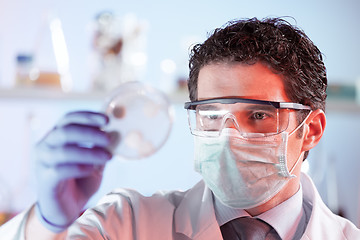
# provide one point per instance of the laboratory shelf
(178, 97)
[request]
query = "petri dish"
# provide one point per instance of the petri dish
(141, 119)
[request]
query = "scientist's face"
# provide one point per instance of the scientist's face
(254, 82)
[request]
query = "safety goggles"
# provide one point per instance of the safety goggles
(251, 117)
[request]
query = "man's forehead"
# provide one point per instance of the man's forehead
(255, 81)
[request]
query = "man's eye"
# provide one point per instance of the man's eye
(212, 117)
(259, 116)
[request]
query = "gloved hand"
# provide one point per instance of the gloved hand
(69, 167)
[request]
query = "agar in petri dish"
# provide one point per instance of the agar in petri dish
(141, 116)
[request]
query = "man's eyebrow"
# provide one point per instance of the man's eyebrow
(260, 107)
(236, 106)
(207, 107)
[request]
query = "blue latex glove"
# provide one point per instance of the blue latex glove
(69, 167)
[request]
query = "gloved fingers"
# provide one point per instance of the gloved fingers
(73, 171)
(95, 119)
(72, 154)
(80, 134)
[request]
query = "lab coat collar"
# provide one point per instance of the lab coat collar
(323, 224)
(195, 215)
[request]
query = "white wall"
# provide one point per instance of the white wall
(333, 26)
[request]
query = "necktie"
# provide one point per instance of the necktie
(246, 228)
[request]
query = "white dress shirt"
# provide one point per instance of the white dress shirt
(288, 218)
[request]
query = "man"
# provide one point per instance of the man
(257, 91)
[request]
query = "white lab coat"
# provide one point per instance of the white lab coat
(125, 214)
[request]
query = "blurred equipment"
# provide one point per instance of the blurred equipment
(26, 74)
(48, 64)
(142, 116)
(5, 203)
(118, 50)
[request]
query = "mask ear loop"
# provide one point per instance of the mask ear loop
(293, 167)
(297, 128)
(301, 124)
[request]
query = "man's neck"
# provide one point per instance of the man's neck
(287, 192)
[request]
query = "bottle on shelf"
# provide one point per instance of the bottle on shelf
(46, 65)
(26, 73)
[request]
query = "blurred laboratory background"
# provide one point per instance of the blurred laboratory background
(59, 56)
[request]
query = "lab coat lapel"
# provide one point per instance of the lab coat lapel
(323, 224)
(195, 215)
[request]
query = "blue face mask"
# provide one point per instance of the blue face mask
(244, 173)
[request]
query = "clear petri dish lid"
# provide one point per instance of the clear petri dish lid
(141, 117)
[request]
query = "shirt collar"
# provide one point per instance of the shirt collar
(285, 226)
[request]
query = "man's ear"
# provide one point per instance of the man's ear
(314, 129)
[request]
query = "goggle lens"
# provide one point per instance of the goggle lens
(249, 119)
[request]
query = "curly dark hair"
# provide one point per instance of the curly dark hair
(286, 49)
(274, 42)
